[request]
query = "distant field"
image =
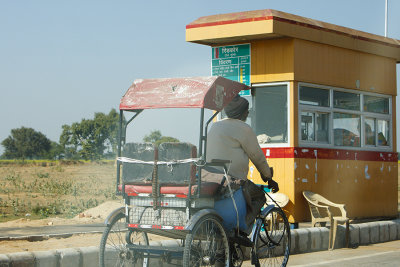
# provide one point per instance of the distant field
(57, 188)
(40, 189)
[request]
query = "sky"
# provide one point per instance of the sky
(62, 61)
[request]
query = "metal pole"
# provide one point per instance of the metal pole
(199, 154)
(205, 134)
(121, 114)
(201, 138)
(386, 17)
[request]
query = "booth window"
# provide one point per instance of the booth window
(346, 129)
(343, 118)
(369, 128)
(383, 132)
(376, 104)
(345, 100)
(269, 116)
(314, 96)
(315, 127)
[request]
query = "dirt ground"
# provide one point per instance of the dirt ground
(51, 244)
(86, 189)
(94, 215)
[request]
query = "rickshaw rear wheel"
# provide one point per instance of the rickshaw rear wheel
(113, 250)
(207, 244)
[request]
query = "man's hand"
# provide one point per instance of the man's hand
(273, 186)
(266, 179)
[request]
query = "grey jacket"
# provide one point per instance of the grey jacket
(234, 140)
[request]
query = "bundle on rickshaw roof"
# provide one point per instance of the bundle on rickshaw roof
(212, 92)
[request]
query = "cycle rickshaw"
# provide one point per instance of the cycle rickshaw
(164, 193)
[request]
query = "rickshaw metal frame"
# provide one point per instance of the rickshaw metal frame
(215, 93)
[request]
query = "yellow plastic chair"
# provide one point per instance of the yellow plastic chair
(280, 199)
(321, 211)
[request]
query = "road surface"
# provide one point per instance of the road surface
(382, 254)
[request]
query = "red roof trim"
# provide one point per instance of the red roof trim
(334, 31)
(328, 153)
(218, 23)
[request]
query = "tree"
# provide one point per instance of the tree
(26, 143)
(91, 139)
(56, 151)
(157, 138)
(152, 137)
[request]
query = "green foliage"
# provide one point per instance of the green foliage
(56, 151)
(45, 211)
(153, 137)
(157, 138)
(43, 175)
(91, 139)
(26, 143)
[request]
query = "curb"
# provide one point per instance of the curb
(303, 240)
(317, 238)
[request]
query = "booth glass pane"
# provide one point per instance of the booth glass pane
(346, 129)
(369, 127)
(322, 129)
(307, 126)
(346, 100)
(383, 133)
(314, 96)
(270, 113)
(376, 104)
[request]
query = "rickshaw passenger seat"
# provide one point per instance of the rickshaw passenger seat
(179, 173)
(169, 152)
(134, 173)
(173, 179)
(208, 189)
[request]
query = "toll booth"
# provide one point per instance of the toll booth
(322, 104)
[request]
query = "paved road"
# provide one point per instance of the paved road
(382, 254)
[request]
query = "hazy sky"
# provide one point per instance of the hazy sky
(61, 61)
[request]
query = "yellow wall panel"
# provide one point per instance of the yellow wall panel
(394, 124)
(272, 60)
(334, 66)
(377, 74)
(368, 188)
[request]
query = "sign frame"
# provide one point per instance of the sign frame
(233, 62)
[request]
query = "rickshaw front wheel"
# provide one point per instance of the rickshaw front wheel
(272, 245)
(113, 250)
(207, 244)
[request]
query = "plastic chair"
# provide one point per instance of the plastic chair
(280, 198)
(321, 212)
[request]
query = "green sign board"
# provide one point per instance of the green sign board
(232, 62)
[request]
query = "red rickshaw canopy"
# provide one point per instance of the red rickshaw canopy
(212, 92)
